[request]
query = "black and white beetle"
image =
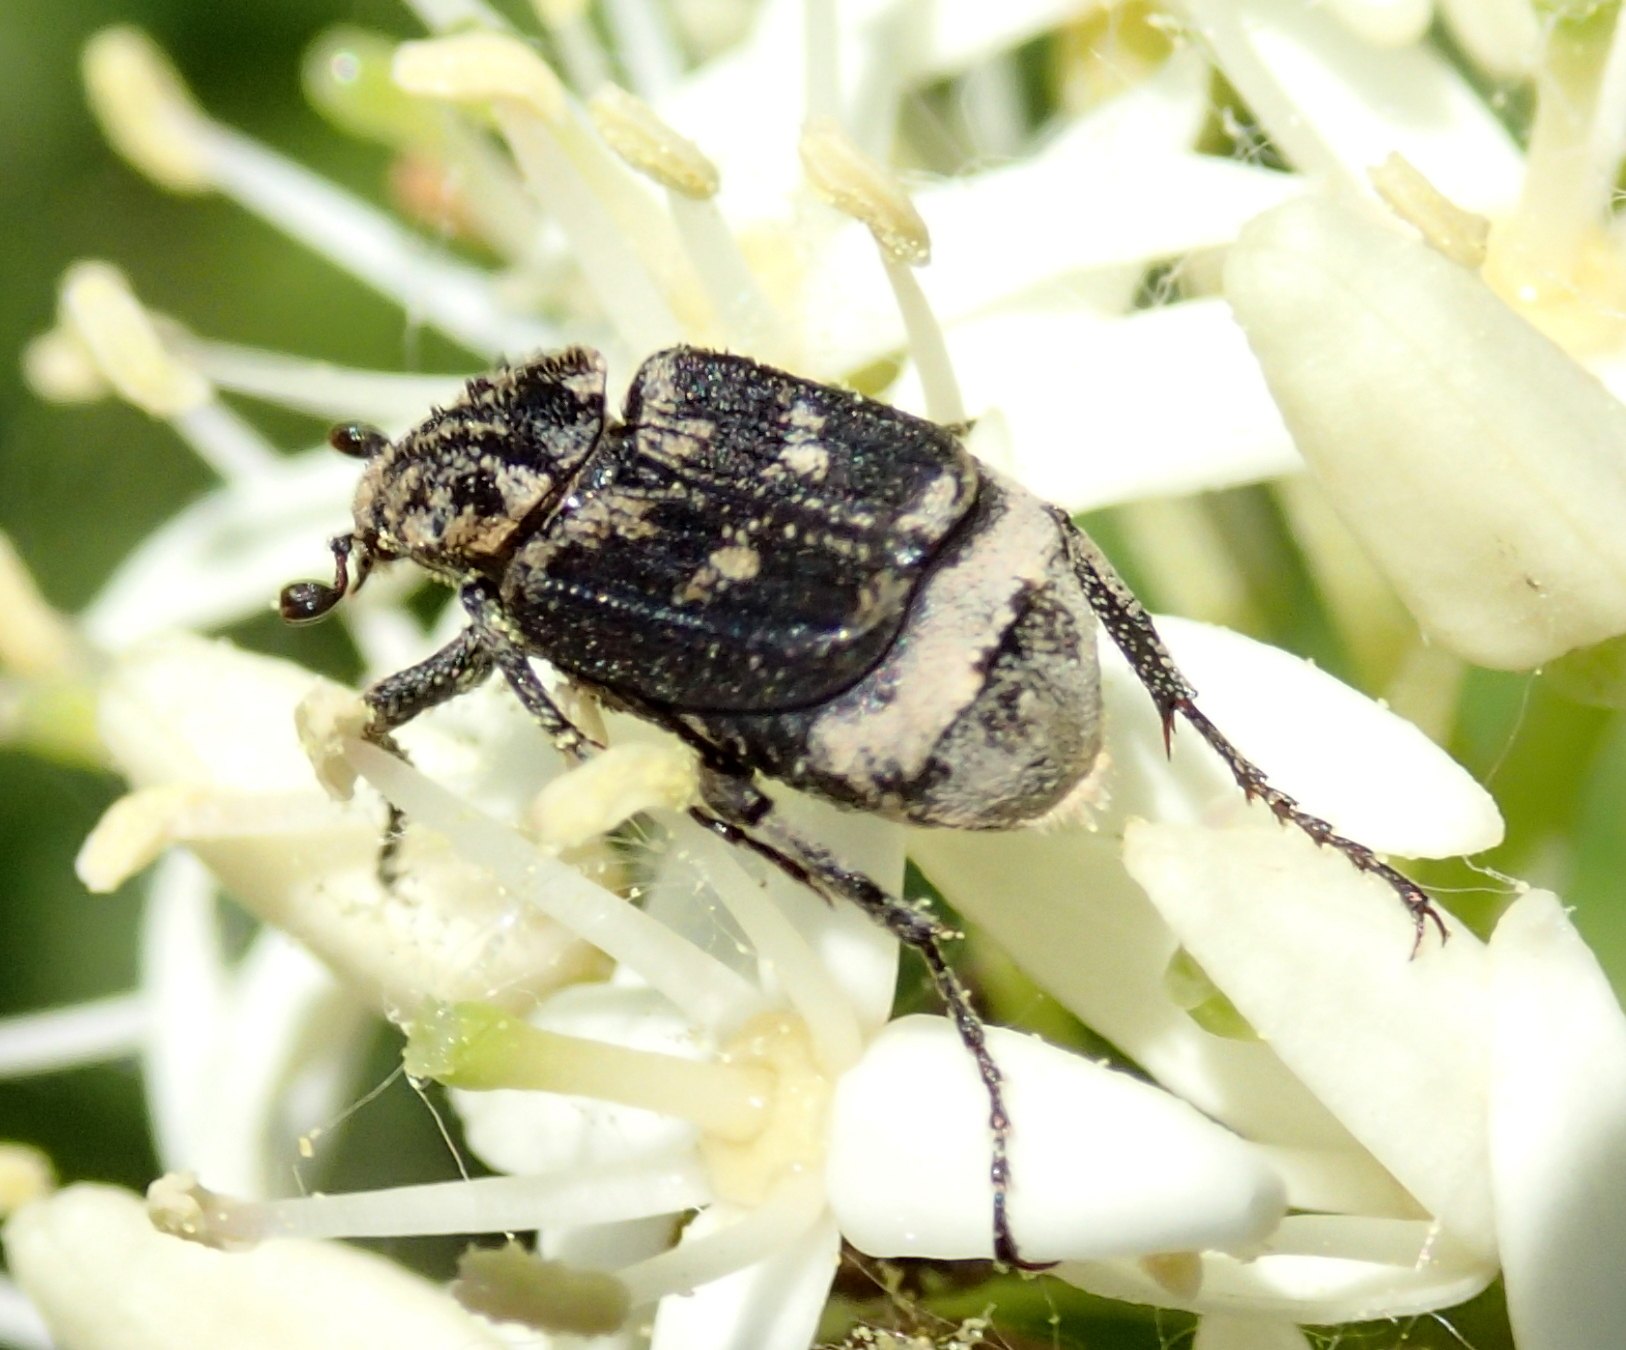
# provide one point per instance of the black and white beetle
(795, 580)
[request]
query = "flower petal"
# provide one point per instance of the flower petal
(1317, 957)
(1557, 1130)
(180, 709)
(1315, 1269)
(104, 1277)
(1102, 1164)
(1342, 107)
(772, 1305)
(1081, 928)
(1085, 399)
(1344, 757)
(1482, 468)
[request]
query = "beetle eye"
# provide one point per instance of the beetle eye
(357, 439)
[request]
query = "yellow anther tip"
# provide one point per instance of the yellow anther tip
(851, 182)
(59, 368)
(635, 132)
(101, 311)
(144, 108)
(480, 68)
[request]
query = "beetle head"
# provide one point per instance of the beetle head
(458, 490)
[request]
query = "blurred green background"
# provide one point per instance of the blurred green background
(80, 485)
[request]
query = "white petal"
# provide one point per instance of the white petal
(1102, 1164)
(1483, 469)
(1343, 107)
(104, 1277)
(1558, 1130)
(1384, 23)
(1349, 760)
(1504, 37)
(184, 710)
(772, 1305)
(1317, 957)
(1063, 907)
(1315, 1269)
(1086, 401)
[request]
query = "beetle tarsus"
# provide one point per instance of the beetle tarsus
(1129, 625)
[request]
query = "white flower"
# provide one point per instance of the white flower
(1448, 403)
(769, 1090)
(103, 1276)
(1393, 1098)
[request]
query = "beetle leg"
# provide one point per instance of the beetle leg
(509, 656)
(1129, 625)
(739, 812)
(395, 700)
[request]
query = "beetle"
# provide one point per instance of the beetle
(799, 582)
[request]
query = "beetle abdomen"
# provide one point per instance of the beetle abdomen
(981, 715)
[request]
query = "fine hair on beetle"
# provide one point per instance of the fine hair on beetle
(796, 581)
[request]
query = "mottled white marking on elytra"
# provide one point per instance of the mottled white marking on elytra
(807, 459)
(934, 504)
(736, 563)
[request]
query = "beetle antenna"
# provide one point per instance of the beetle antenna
(358, 440)
(308, 601)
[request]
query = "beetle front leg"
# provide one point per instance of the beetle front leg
(1129, 625)
(739, 812)
(459, 666)
(509, 656)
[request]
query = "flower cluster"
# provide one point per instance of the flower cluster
(688, 1074)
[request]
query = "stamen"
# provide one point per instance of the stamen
(927, 345)
(481, 67)
(145, 110)
(707, 991)
(468, 182)
(103, 313)
(1460, 235)
(318, 387)
(784, 957)
(854, 184)
(635, 132)
(481, 1048)
(609, 789)
(578, 46)
(97, 304)
(794, 1206)
(821, 68)
(851, 182)
(634, 267)
(178, 1205)
(139, 826)
(26, 1174)
(633, 129)
(35, 641)
(149, 117)
(59, 368)
(1575, 146)
(429, 285)
(65, 1038)
(643, 38)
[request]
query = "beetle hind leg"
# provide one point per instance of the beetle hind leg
(1129, 625)
(740, 813)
